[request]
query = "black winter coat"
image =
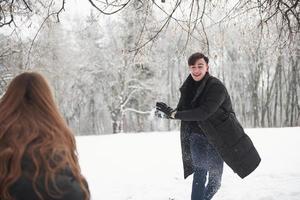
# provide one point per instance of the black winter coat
(23, 188)
(212, 109)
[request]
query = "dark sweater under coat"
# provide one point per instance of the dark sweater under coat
(211, 108)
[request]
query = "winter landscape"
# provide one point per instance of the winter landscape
(147, 166)
(109, 62)
(108, 70)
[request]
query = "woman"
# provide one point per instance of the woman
(37, 149)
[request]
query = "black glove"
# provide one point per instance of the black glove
(160, 106)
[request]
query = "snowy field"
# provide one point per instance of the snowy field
(147, 166)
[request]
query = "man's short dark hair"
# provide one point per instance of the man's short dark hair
(194, 57)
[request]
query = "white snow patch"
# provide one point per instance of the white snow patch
(147, 166)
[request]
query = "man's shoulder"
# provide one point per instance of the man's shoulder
(214, 80)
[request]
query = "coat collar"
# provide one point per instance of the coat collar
(187, 82)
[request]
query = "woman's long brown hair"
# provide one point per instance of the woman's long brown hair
(31, 126)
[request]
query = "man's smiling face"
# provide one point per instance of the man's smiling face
(199, 69)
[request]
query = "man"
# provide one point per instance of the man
(210, 132)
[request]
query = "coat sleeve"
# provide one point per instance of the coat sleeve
(215, 96)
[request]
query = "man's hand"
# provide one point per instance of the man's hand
(170, 112)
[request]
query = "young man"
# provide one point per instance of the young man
(210, 132)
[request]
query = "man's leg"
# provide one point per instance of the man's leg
(199, 180)
(214, 174)
(198, 145)
(214, 183)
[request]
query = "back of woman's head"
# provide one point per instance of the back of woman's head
(31, 127)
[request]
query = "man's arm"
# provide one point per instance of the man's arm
(213, 100)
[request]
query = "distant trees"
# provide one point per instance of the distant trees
(284, 13)
(4, 79)
(109, 68)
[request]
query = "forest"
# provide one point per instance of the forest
(108, 62)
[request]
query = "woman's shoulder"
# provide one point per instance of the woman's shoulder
(70, 186)
(23, 188)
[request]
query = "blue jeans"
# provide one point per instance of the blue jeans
(206, 162)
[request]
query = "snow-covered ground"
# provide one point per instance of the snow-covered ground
(147, 166)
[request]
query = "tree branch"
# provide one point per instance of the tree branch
(160, 30)
(27, 6)
(109, 13)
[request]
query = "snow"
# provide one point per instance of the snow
(147, 166)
